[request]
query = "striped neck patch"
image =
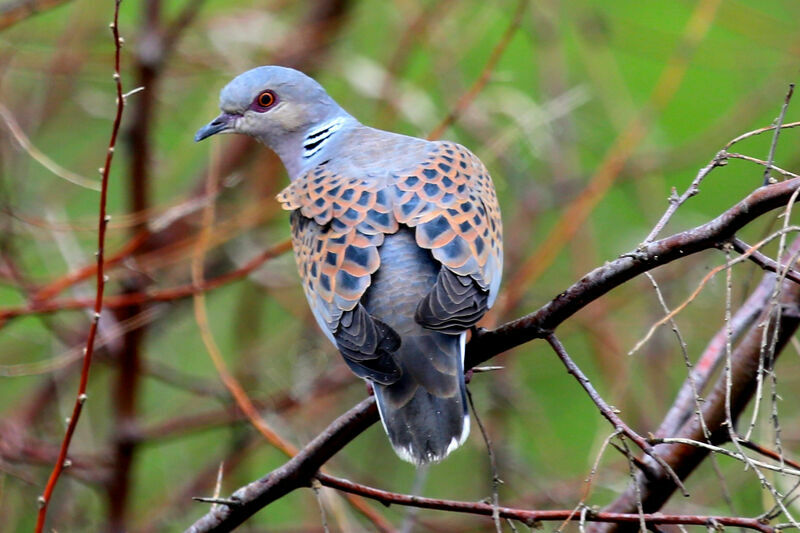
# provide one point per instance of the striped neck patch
(315, 140)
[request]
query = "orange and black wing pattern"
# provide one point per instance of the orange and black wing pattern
(450, 200)
(338, 225)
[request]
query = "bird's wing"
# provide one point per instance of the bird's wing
(451, 202)
(339, 222)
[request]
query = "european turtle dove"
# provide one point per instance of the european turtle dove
(398, 242)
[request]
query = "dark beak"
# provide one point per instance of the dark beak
(221, 124)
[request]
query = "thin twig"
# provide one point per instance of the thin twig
(762, 260)
(81, 397)
(632, 472)
(743, 157)
(768, 453)
(607, 411)
(703, 282)
(496, 481)
(759, 131)
(676, 201)
(724, 451)
(778, 124)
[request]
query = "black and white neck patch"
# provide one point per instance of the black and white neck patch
(315, 140)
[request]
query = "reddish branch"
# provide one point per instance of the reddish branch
(81, 397)
(532, 518)
(159, 295)
(299, 471)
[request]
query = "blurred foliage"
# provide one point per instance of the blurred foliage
(573, 81)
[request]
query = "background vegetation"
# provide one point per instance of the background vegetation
(591, 115)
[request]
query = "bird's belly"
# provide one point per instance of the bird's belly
(406, 274)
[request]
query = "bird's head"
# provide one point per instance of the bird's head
(276, 105)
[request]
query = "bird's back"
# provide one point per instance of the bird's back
(374, 153)
(424, 412)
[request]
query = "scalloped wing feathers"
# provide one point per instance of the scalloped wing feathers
(448, 198)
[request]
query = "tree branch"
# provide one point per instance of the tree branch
(299, 471)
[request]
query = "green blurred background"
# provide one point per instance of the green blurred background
(632, 97)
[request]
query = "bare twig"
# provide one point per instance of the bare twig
(676, 201)
(743, 157)
(81, 397)
(759, 131)
(496, 481)
(768, 453)
(724, 451)
(762, 260)
(778, 124)
(606, 410)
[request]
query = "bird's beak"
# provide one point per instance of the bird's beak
(222, 124)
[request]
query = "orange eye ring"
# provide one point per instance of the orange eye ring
(266, 99)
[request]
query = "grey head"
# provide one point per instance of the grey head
(284, 109)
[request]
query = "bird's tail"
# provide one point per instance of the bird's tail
(425, 411)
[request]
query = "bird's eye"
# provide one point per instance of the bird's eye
(264, 101)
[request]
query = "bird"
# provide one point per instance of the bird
(398, 241)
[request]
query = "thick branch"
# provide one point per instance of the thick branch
(298, 471)
(601, 280)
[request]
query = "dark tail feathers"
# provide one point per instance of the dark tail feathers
(425, 411)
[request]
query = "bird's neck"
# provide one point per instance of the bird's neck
(310, 148)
